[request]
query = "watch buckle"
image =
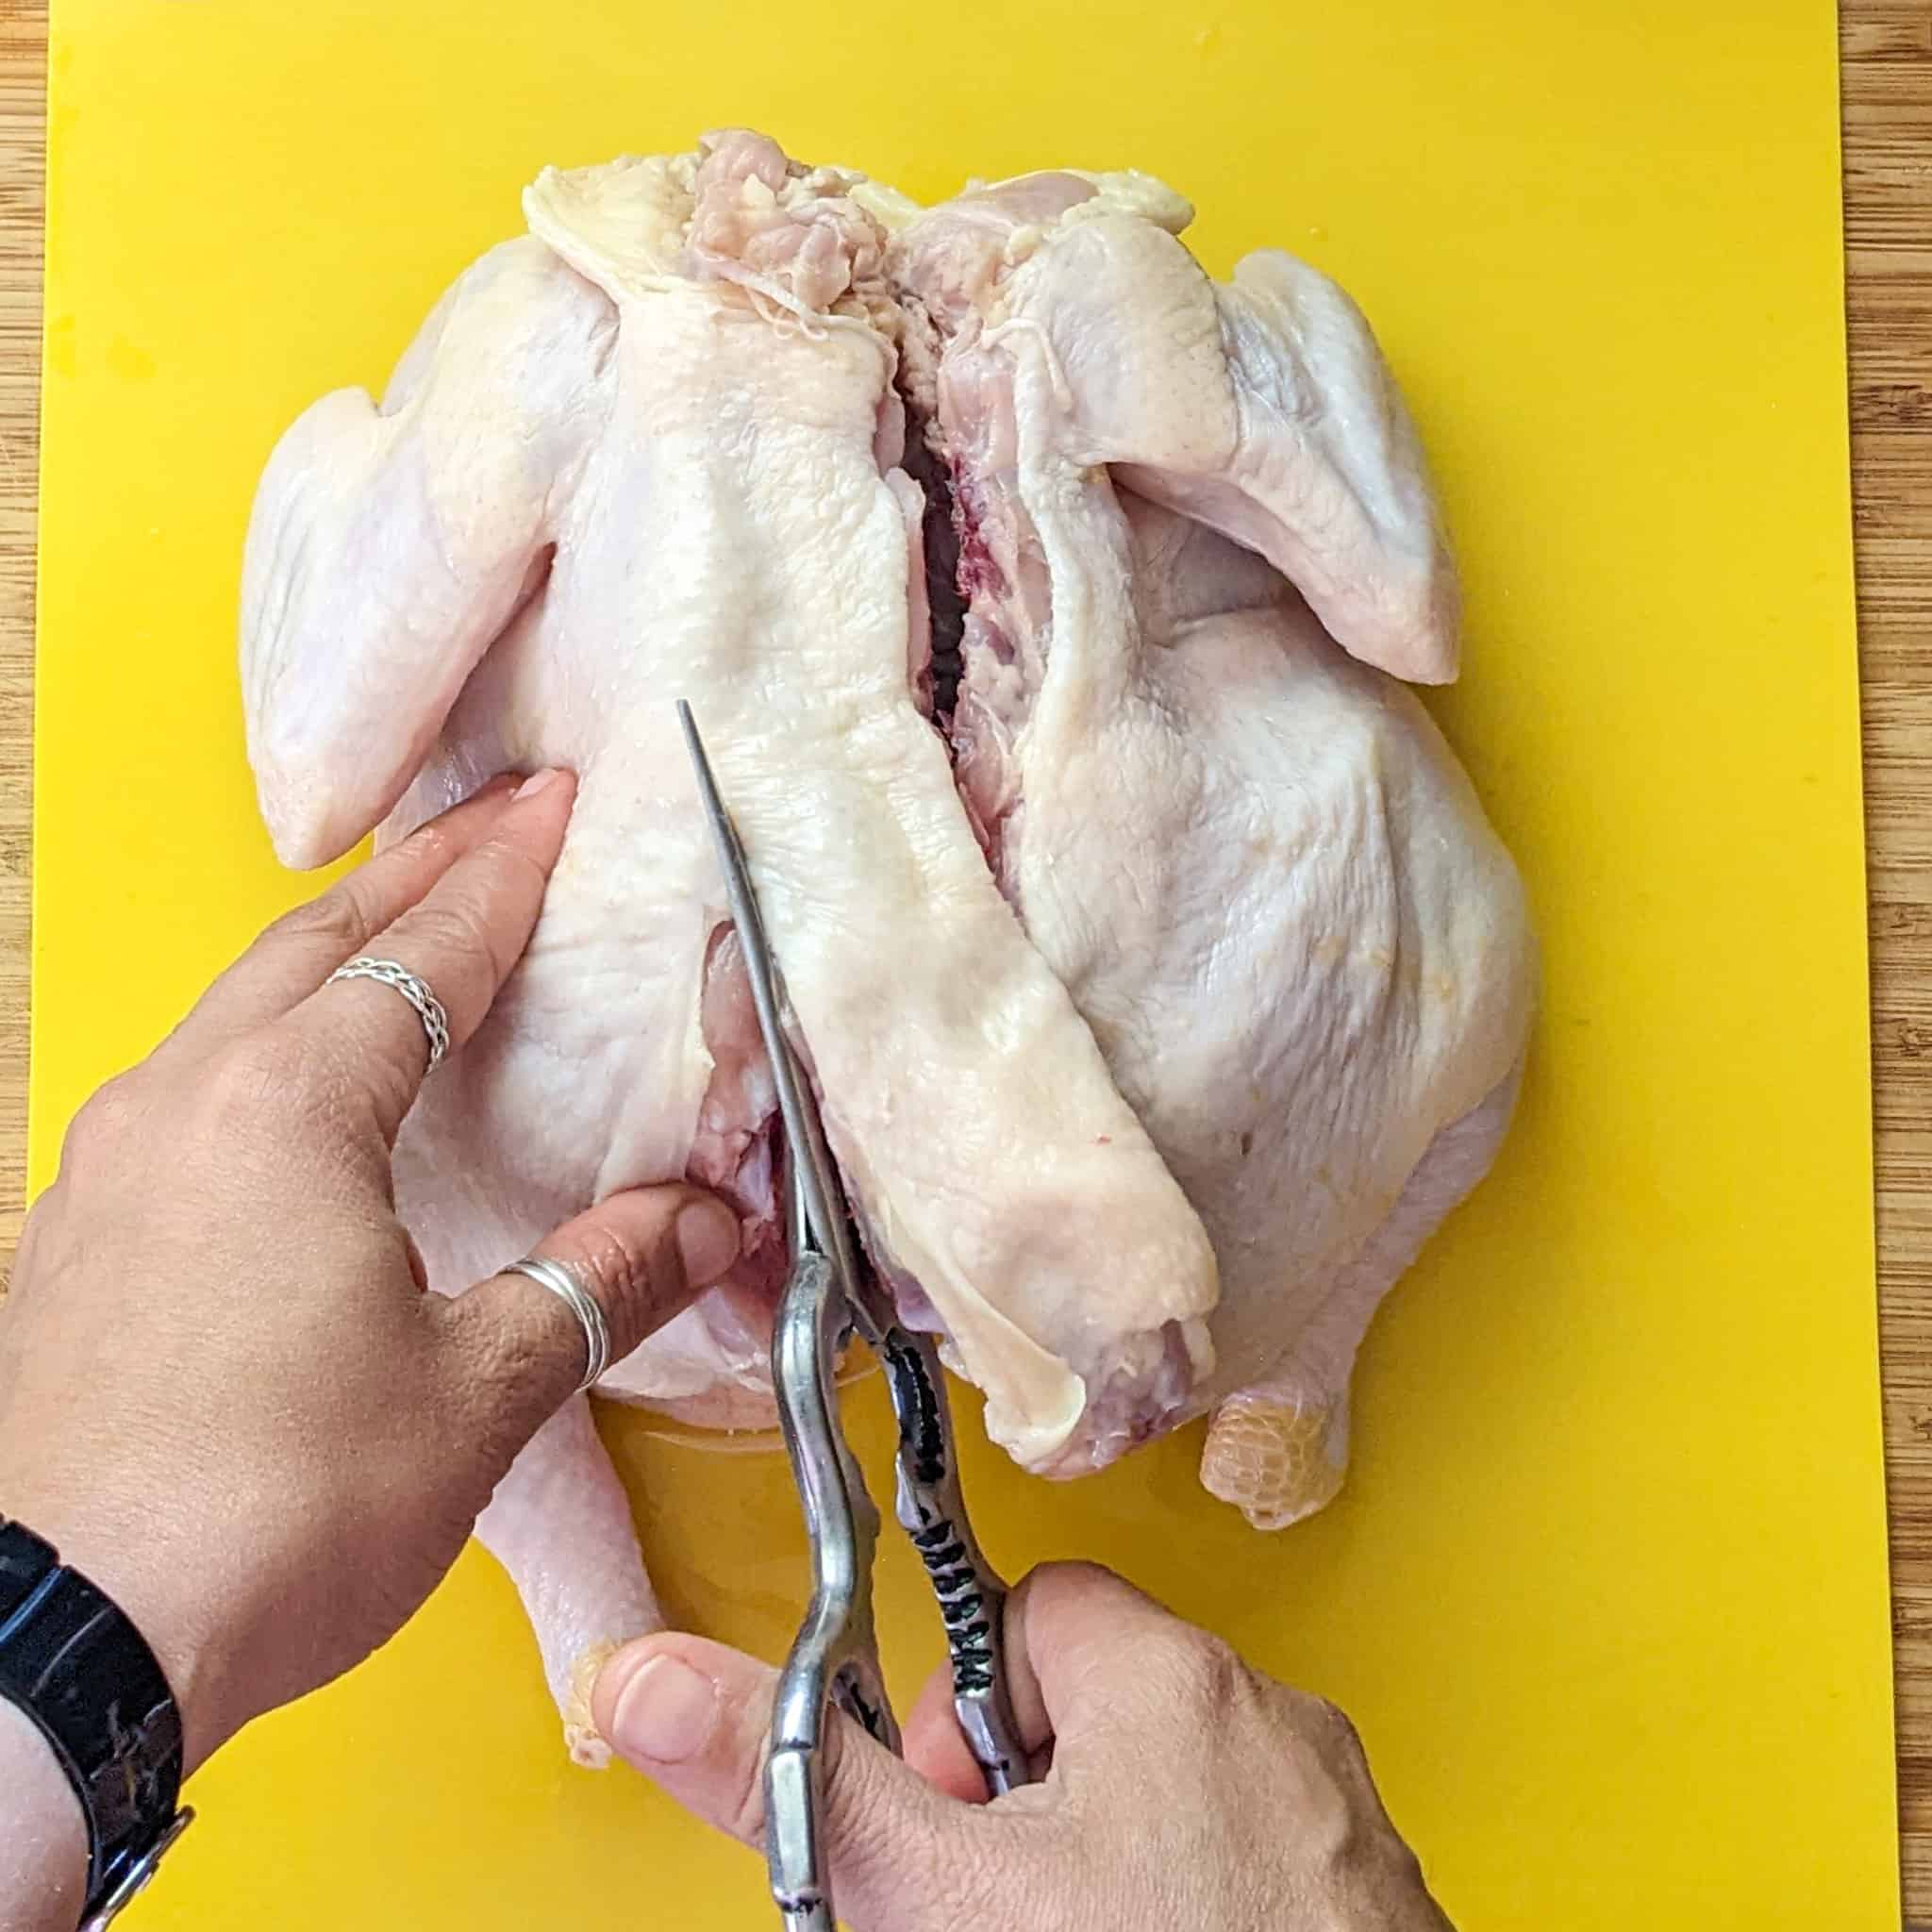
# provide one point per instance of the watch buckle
(135, 1878)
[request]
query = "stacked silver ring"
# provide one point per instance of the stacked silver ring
(428, 1007)
(561, 1280)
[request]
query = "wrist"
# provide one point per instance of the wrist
(43, 1847)
(112, 1543)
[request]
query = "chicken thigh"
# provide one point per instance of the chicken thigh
(1042, 603)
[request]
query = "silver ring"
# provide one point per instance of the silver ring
(428, 1007)
(560, 1279)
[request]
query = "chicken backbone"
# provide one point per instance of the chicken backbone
(1047, 607)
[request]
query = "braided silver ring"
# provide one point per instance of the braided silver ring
(428, 1007)
(560, 1278)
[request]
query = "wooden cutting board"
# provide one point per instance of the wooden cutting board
(1606, 1590)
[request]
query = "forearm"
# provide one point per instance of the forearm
(43, 1840)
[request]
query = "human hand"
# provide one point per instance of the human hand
(1179, 1787)
(223, 1396)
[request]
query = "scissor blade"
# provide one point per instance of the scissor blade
(812, 1173)
(738, 886)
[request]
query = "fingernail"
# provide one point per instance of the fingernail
(708, 1240)
(535, 782)
(667, 1712)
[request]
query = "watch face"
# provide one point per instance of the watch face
(25, 1560)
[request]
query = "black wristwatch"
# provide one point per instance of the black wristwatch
(84, 1675)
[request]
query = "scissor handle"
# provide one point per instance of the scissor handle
(834, 1658)
(972, 1596)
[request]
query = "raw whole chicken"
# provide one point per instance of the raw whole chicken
(1043, 604)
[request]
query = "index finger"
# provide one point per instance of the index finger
(287, 961)
(462, 940)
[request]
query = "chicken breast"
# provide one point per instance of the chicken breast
(1042, 603)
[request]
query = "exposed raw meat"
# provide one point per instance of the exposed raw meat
(1038, 597)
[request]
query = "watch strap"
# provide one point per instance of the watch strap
(75, 1664)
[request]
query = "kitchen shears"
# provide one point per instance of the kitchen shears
(829, 1293)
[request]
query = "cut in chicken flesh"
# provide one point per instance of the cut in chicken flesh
(1043, 604)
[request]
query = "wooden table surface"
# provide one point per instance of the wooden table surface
(1886, 48)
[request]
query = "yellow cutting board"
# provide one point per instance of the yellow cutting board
(1606, 1590)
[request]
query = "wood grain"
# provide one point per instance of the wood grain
(1887, 48)
(23, 119)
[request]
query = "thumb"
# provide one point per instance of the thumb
(642, 1257)
(694, 1717)
(1077, 1637)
